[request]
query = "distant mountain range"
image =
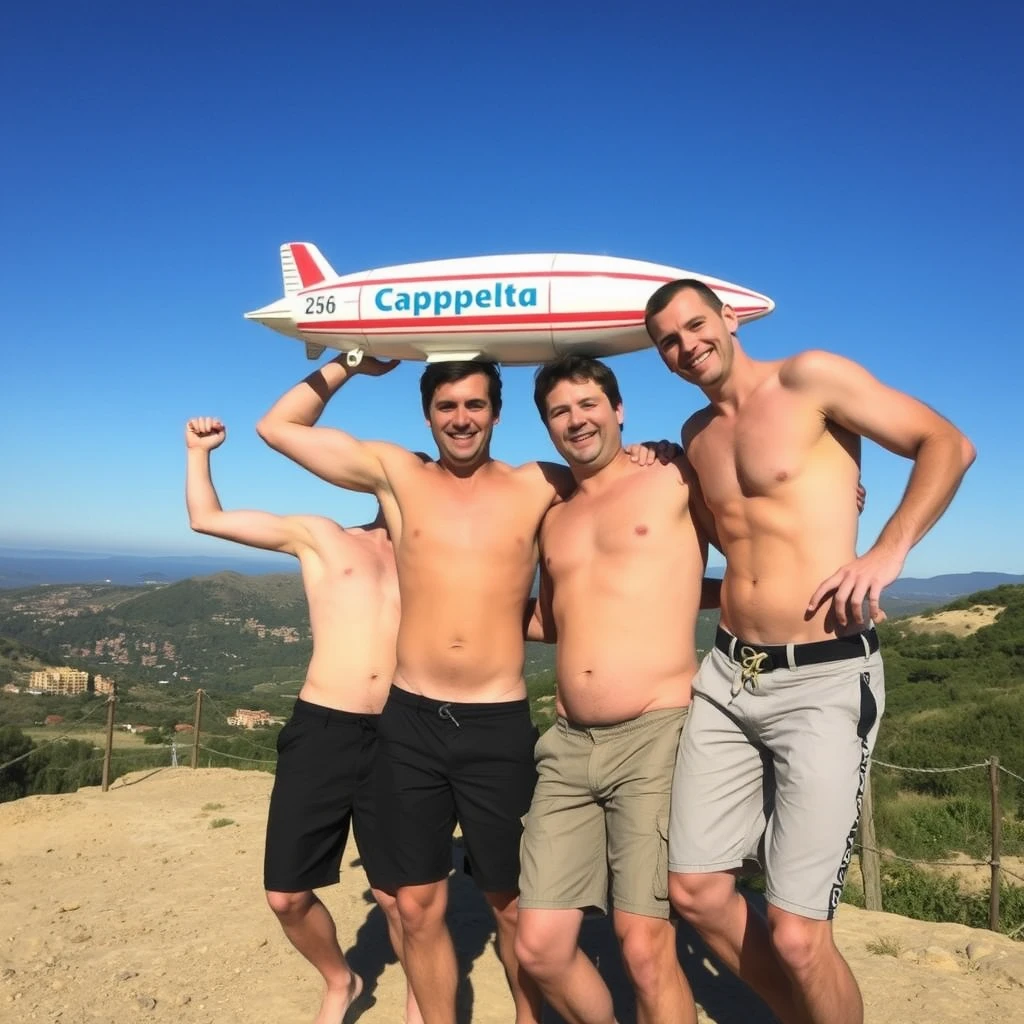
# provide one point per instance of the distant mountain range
(28, 568)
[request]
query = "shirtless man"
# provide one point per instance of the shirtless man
(621, 568)
(787, 706)
(326, 749)
(456, 736)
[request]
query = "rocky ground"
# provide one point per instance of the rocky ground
(141, 904)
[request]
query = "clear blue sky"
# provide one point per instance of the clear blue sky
(862, 167)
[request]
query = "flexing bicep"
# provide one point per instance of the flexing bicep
(332, 454)
(256, 529)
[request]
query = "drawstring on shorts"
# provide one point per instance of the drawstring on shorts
(445, 711)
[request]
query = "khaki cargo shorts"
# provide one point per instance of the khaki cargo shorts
(599, 816)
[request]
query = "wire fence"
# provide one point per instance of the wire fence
(211, 719)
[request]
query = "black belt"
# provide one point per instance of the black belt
(839, 648)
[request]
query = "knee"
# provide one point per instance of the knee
(649, 955)
(798, 941)
(421, 908)
(289, 905)
(700, 899)
(540, 950)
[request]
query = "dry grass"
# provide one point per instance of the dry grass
(959, 623)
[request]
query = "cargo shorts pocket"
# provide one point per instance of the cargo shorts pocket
(660, 886)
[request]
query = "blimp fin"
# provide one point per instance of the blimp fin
(314, 351)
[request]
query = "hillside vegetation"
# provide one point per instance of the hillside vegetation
(953, 701)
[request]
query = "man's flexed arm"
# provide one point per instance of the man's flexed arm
(205, 514)
(335, 456)
(941, 454)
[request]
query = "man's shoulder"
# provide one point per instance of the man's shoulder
(695, 424)
(811, 366)
(548, 475)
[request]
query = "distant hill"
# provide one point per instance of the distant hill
(226, 631)
(951, 585)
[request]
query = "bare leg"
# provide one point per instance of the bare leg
(547, 948)
(821, 977)
(430, 963)
(738, 936)
(525, 993)
(389, 905)
(310, 929)
(663, 995)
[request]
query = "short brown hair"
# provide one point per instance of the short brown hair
(575, 368)
(667, 292)
(448, 372)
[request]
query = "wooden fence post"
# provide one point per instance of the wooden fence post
(997, 825)
(195, 728)
(111, 702)
(870, 867)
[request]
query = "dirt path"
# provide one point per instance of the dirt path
(128, 906)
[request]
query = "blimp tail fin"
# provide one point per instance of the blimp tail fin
(303, 266)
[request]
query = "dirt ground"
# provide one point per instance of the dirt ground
(130, 906)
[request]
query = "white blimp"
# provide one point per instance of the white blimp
(525, 308)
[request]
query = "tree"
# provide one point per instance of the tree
(13, 778)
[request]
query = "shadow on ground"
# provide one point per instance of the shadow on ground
(722, 996)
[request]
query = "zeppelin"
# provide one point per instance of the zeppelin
(520, 309)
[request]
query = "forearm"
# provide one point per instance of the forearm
(939, 465)
(201, 499)
(533, 625)
(304, 404)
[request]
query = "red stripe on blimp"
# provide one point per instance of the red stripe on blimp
(620, 275)
(543, 321)
(309, 272)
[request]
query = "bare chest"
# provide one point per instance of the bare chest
(758, 451)
(499, 521)
(641, 520)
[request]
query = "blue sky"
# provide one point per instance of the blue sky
(861, 167)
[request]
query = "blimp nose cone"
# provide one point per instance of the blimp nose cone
(276, 315)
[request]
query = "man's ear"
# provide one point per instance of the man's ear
(732, 321)
(620, 414)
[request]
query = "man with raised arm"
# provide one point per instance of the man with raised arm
(456, 739)
(787, 706)
(326, 750)
(621, 569)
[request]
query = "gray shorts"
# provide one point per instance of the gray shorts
(771, 766)
(600, 814)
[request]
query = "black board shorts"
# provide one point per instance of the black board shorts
(445, 761)
(325, 761)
